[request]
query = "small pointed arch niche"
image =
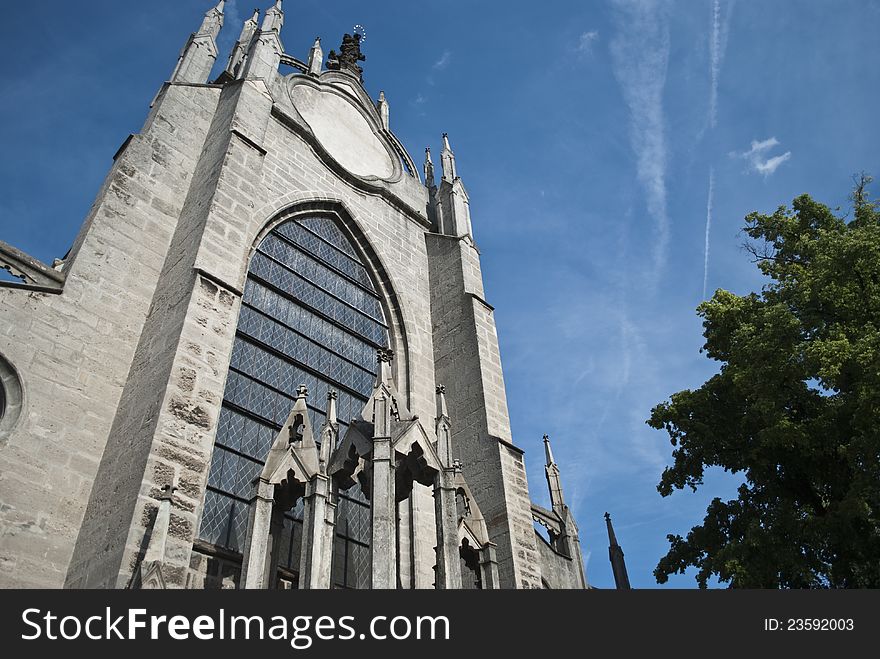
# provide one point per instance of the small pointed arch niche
(315, 310)
(11, 398)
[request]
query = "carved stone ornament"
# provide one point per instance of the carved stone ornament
(347, 60)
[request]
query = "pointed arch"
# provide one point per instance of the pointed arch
(338, 211)
(11, 398)
(316, 306)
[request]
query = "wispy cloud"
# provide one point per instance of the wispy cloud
(438, 67)
(640, 55)
(757, 159)
(585, 42)
(231, 26)
(770, 165)
(709, 200)
(717, 48)
(443, 61)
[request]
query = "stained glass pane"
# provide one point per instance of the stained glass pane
(310, 315)
(329, 231)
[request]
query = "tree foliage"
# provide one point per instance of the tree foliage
(794, 409)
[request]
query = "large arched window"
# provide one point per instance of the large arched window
(310, 315)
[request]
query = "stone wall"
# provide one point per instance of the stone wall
(557, 571)
(467, 362)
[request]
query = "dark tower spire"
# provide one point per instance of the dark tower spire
(615, 555)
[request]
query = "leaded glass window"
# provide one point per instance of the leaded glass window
(310, 315)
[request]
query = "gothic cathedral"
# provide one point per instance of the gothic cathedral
(267, 361)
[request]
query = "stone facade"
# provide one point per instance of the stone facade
(114, 363)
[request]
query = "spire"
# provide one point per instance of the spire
(442, 428)
(447, 160)
(331, 407)
(274, 18)
(451, 206)
(329, 432)
(213, 20)
(316, 57)
(442, 410)
(612, 540)
(615, 555)
(198, 55)
(548, 452)
(297, 433)
(239, 50)
(554, 480)
(383, 108)
(429, 168)
(265, 49)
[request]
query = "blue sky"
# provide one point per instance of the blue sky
(597, 141)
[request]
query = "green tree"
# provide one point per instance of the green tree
(794, 409)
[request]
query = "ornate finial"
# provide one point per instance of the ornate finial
(155, 551)
(302, 391)
(169, 489)
(316, 57)
(442, 409)
(456, 465)
(384, 357)
(256, 17)
(384, 110)
(349, 56)
(607, 517)
(332, 395)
